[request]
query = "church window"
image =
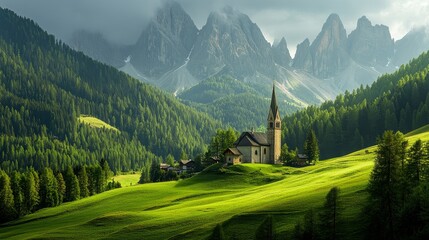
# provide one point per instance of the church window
(256, 152)
(271, 125)
(265, 151)
(277, 124)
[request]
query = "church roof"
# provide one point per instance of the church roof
(252, 139)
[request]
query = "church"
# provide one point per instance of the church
(258, 147)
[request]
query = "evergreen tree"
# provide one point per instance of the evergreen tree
(72, 185)
(217, 233)
(155, 171)
(330, 215)
(221, 141)
(169, 160)
(266, 229)
(415, 158)
(385, 186)
(30, 191)
(48, 189)
(18, 196)
(61, 187)
(83, 182)
(6, 198)
(145, 174)
(311, 147)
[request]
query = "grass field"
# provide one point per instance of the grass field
(95, 122)
(238, 197)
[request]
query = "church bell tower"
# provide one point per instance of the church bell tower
(274, 130)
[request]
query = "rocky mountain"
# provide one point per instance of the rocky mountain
(411, 45)
(370, 45)
(281, 53)
(230, 39)
(165, 43)
(174, 55)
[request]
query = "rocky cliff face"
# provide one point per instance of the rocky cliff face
(230, 40)
(303, 59)
(281, 54)
(370, 45)
(166, 42)
(329, 49)
(411, 45)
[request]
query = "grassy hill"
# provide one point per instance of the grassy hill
(95, 122)
(238, 197)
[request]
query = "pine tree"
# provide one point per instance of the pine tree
(72, 185)
(145, 174)
(311, 147)
(155, 171)
(18, 196)
(83, 182)
(61, 187)
(30, 191)
(330, 215)
(48, 189)
(385, 186)
(6, 198)
(266, 229)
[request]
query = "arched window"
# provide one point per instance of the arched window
(256, 152)
(277, 124)
(271, 125)
(265, 151)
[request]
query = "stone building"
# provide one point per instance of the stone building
(257, 147)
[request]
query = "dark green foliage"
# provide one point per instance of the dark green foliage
(45, 86)
(61, 187)
(72, 185)
(145, 174)
(83, 182)
(48, 189)
(30, 188)
(18, 196)
(217, 233)
(330, 215)
(155, 172)
(384, 186)
(221, 141)
(398, 101)
(311, 147)
(308, 230)
(266, 229)
(414, 164)
(7, 211)
(286, 156)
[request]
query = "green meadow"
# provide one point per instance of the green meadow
(239, 197)
(95, 122)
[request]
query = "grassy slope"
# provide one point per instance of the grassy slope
(190, 209)
(95, 122)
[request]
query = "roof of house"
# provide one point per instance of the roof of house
(234, 151)
(302, 156)
(252, 139)
(185, 162)
(164, 165)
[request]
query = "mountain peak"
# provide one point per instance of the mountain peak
(281, 53)
(363, 22)
(333, 20)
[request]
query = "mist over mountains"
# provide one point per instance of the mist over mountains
(175, 55)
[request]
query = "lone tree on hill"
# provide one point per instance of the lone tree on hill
(311, 147)
(385, 186)
(329, 217)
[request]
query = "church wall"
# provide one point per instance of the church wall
(247, 153)
(256, 154)
(265, 154)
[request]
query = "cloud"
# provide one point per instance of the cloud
(122, 21)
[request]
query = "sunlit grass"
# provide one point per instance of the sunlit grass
(95, 122)
(238, 197)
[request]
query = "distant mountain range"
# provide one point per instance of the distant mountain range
(175, 55)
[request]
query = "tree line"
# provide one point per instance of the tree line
(22, 193)
(45, 86)
(398, 101)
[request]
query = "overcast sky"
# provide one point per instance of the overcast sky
(122, 21)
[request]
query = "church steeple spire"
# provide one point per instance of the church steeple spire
(274, 108)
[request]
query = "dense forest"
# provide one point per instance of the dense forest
(45, 86)
(232, 102)
(398, 101)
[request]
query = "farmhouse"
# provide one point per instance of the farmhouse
(257, 147)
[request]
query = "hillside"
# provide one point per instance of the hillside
(397, 101)
(145, 211)
(45, 86)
